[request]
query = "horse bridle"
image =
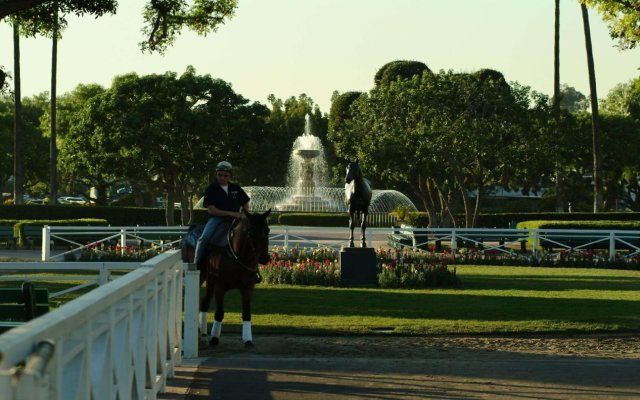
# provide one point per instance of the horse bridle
(235, 256)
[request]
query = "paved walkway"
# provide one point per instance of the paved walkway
(34, 255)
(432, 372)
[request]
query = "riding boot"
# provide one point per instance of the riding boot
(258, 277)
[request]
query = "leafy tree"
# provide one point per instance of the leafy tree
(572, 100)
(634, 100)
(173, 132)
(619, 99)
(446, 135)
(45, 19)
(163, 19)
(623, 17)
(34, 143)
(622, 133)
(287, 120)
(339, 131)
(6, 139)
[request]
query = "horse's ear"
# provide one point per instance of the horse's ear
(356, 161)
(266, 214)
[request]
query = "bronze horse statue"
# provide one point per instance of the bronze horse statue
(357, 193)
(232, 267)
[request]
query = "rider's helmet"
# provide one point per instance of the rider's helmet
(224, 166)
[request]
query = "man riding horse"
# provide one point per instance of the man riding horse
(222, 199)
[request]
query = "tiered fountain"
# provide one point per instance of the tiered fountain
(306, 168)
(306, 188)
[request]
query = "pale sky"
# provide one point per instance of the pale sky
(289, 47)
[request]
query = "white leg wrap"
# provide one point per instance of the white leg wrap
(246, 332)
(216, 329)
(203, 324)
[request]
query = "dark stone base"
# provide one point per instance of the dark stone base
(358, 266)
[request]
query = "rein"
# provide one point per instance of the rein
(235, 256)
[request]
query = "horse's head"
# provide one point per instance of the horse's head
(259, 234)
(353, 171)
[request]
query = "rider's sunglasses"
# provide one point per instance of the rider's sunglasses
(221, 175)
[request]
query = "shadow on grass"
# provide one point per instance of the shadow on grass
(549, 282)
(457, 306)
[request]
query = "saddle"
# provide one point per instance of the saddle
(220, 237)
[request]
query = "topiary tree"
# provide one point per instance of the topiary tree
(399, 68)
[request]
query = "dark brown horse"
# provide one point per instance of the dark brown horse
(233, 267)
(357, 195)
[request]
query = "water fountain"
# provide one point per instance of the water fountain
(307, 189)
(307, 168)
(308, 192)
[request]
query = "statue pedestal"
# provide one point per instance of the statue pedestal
(358, 266)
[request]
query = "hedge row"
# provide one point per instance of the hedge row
(23, 235)
(116, 216)
(595, 225)
(509, 220)
(129, 216)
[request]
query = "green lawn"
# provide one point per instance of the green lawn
(492, 300)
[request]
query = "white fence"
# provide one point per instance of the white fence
(164, 237)
(516, 242)
(119, 341)
(32, 271)
(525, 243)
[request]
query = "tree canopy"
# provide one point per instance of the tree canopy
(623, 17)
(163, 20)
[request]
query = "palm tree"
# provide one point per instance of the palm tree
(18, 163)
(560, 198)
(595, 116)
(53, 150)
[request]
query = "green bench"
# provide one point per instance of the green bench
(18, 306)
(6, 235)
(32, 235)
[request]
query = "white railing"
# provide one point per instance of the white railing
(121, 340)
(163, 237)
(516, 242)
(280, 235)
(21, 271)
(523, 242)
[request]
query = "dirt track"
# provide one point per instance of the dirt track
(304, 367)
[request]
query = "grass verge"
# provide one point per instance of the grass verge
(492, 300)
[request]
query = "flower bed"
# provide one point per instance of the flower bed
(114, 253)
(320, 266)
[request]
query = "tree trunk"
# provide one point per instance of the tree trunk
(53, 149)
(595, 117)
(560, 195)
(427, 200)
(169, 207)
(18, 156)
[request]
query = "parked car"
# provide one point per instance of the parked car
(72, 200)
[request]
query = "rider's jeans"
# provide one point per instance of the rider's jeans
(203, 240)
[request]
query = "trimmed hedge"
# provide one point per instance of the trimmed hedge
(506, 220)
(21, 235)
(115, 216)
(596, 225)
(311, 219)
